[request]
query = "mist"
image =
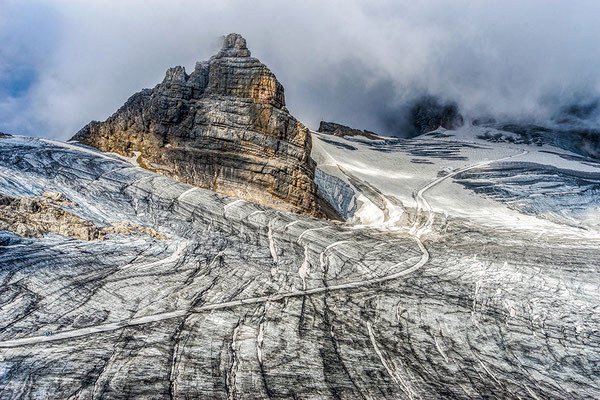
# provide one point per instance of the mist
(64, 63)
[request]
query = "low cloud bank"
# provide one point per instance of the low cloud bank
(65, 63)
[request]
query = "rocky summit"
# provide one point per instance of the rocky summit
(335, 129)
(223, 127)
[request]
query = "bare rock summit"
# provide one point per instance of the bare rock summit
(223, 127)
(234, 45)
(335, 129)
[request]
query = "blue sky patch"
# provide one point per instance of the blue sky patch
(17, 81)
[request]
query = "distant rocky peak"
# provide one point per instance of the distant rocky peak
(335, 129)
(234, 45)
(428, 113)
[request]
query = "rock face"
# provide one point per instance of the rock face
(342, 130)
(223, 127)
(32, 217)
(429, 113)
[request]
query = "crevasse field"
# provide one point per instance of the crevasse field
(467, 268)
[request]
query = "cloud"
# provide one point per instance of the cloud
(352, 62)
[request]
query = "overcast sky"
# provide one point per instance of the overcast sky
(64, 63)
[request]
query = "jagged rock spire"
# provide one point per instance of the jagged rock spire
(223, 127)
(234, 45)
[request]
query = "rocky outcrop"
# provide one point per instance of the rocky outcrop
(129, 228)
(429, 113)
(224, 127)
(33, 217)
(342, 130)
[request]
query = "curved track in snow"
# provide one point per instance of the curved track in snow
(419, 228)
(217, 306)
(416, 231)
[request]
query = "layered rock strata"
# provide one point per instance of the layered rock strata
(223, 127)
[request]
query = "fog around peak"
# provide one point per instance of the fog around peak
(65, 63)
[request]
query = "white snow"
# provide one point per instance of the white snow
(393, 173)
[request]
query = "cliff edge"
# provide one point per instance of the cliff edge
(223, 127)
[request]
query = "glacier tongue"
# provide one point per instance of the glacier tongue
(244, 301)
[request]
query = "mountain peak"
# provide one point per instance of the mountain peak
(234, 45)
(223, 127)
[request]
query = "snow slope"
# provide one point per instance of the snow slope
(394, 169)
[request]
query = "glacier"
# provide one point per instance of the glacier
(466, 269)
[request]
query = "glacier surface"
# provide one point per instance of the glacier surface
(456, 276)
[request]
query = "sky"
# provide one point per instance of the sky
(64, 63)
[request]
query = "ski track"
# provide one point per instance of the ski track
(419, 229)
(416, 231)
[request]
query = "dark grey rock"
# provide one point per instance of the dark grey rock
(342, 130)
(429, 113)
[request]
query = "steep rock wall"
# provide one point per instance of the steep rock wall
(224, 127)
